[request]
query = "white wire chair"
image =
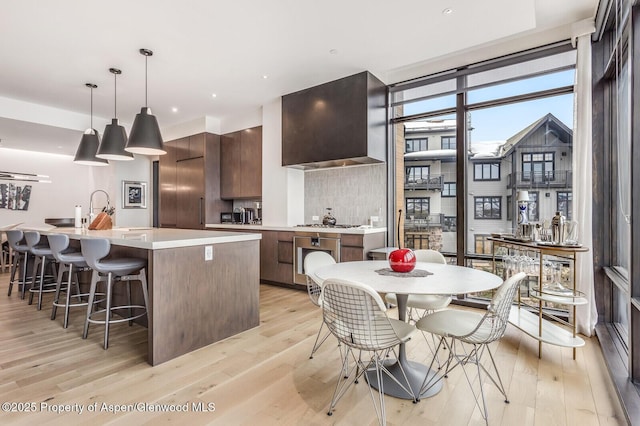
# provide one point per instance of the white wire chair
(312, 262)
(356, 315)
(475, 329)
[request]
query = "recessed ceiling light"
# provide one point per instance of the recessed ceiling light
(447, 11)
(213, 95)
(265, 76)
(334, 51)
(174, 109)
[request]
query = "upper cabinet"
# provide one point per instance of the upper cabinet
(189, 181)
(335, 124)
(241, 164)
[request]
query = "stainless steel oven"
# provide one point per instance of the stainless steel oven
(307, 242)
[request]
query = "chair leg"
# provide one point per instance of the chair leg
(25, 261)
(67, 306)
(145, 291)
(319, 341)
(14, 269)
(92, 296)
(108, 310)
(56, 297)
(43, 263)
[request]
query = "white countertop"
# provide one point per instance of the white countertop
(157, 238)
(357, 231)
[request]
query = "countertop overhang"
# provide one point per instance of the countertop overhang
(240, 227)
(157, 238)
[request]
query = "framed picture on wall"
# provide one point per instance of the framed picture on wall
(134, 195)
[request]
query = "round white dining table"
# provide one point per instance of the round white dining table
(444, 279)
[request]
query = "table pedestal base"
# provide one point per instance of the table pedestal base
(415, 373)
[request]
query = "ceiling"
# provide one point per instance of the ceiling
(49, 50)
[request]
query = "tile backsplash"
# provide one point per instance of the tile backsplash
(354, 193)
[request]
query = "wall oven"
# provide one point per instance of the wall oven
(307, 242)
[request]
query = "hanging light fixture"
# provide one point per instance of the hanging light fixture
(114, 138)
(86, 153)
(145, 137)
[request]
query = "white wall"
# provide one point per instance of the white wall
(72, 185)
(282, 187)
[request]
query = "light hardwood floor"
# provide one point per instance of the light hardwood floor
(264, 376)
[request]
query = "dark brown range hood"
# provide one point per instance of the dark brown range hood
(340, 123)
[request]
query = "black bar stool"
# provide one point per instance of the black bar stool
(20, 249)
(70, 262)
(112, 271)
(43, 255)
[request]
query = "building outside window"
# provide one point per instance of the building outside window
(448, 142)
(449, 224)
(532, 206)
(488, 207)
(481, 244)
(486, 171)
(449, 189)
(417, 174)
(565, 204)
(538, 167)
(417, 208)
(415, 145)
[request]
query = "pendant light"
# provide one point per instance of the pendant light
(145, 137)
(114, 138)
(86, 153)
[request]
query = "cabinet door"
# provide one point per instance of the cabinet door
(196, 145)
(167, 181)
(230, 169)
(182, 148)
(190, 179)
(251, 163)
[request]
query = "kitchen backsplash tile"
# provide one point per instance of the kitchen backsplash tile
(354, 193)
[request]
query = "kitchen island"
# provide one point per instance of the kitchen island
(203, 285)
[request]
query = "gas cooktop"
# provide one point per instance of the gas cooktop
(320, 225)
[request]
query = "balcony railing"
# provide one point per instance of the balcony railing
(420, 222)
(432, 183)
(533, 180)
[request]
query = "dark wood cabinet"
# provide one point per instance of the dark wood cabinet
(167, 181)
(357, 247)
(190, 182)
(191, 185)
(339, 123)
(276, 257)
(190, 147)
(241, 164)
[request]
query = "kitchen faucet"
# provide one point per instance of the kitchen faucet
(91, 215)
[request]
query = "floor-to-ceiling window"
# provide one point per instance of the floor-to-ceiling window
(484, 132)
(616, 53)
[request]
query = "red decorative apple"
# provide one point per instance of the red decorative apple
(402, 260)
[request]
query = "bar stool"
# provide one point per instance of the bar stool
(5, 253)
(42, 253)
(20, 249)
(70, 262)
(112, 271)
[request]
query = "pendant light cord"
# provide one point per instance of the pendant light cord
(115, 95)
(146, 102)
(91, 109)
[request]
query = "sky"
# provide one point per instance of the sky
(500, 123)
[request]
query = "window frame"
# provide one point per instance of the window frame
(449, 138)
(484, 198)
(446, 190)
(412, 141)
(482, 177)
